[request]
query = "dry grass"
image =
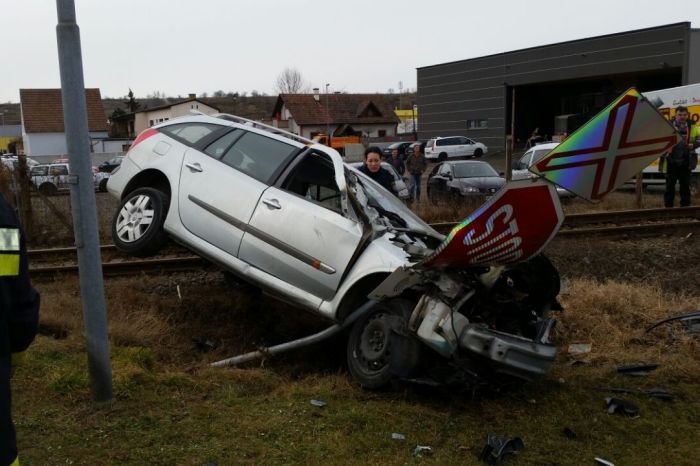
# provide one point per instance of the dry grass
(613, 316)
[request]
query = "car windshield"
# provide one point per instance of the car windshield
(471, 170)
(388, 202)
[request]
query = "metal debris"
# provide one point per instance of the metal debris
(397, 436)
(423, 449)
(602, 462)
(620, 406)
(497, 446)
(318, 403)
(690, 319)
(637, 369)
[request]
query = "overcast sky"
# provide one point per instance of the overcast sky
(178, 46)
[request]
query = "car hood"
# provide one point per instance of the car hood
(481, 182)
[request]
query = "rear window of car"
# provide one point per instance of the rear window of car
(219, 147)
(190, 133)
(40, 171)
(258, 156)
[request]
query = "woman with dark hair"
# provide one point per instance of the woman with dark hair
(373, 168)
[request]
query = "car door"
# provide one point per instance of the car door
(299, 232)
(437, 183)
(461, 148)
(221, 185)
(520, 168)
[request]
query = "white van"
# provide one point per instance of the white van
(442, 148)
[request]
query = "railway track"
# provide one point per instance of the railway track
(629, 223)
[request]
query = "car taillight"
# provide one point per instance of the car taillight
(143, 136)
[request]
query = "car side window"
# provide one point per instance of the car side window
(39, 171)
(190, 133)
(59, 170)
(463, 141)
(523, 163)
(441, 142)
(219, 147)
(258, 156)
(314, 179)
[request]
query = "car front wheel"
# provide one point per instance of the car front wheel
(137, 227)
(381, 348)
(478, 153)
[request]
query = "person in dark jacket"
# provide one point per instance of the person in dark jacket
(373, 169)
(19, 319)
(682, 159)
(397, 161)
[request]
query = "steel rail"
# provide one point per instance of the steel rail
(603, 224)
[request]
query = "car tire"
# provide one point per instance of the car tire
(478, 153)
(103, 185)
(381, 349)
(48, 189)
(442, 157)
(130, 233)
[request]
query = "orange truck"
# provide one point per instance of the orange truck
(338, 143)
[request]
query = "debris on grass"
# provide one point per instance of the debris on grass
(398, 436)
(690, 319)
(423, 450)
(602, 462)
(636, 369)
(620, 406)
(580, 348)
(318, 403)
(498, 446)
(569, 433)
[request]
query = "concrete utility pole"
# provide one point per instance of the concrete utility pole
(83, 207)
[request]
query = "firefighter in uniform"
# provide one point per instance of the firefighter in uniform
(19, 317)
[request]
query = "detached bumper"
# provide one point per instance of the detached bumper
(510, 354)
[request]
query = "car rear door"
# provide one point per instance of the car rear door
(221, 185)
(300, 232)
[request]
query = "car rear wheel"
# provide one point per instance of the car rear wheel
(103, 185)
(478, 153)
(137, 227)
(442, 157)
(381, 348)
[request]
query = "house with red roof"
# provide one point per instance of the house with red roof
(43, 130)
(366, 115)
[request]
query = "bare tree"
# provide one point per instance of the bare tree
(290, 81)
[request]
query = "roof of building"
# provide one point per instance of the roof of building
(337, 109)
(161, 107)
(42, 110)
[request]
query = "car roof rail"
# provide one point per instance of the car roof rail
(263, 126)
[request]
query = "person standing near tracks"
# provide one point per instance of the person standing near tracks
(19, 319)
(415, 164)
(681, 160)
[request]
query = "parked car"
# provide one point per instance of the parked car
(11, 161)
(399, 183)
(521, 167)
(443, 148)
(400, 146)
(289, 216)
(450, 180)
(51, 178)
(111, 164)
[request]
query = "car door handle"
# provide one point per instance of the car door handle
(195, 167)
(272, 203)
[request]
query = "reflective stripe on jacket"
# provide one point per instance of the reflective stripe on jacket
(9, 252)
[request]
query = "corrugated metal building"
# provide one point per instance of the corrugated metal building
(474, 97)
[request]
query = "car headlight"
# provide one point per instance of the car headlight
(470, 189)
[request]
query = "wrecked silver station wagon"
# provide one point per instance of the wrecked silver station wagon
(287, 215)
